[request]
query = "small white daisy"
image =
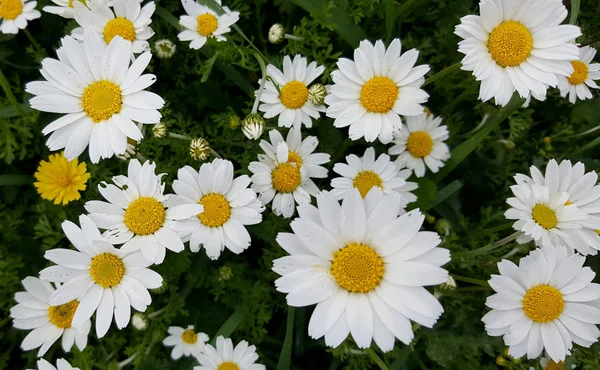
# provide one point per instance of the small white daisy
(290, 98)
(201, 23)
(103, 279)
(164, 48)
(370, 93)
(517, 46)
(63, 8)
(14, 15)
(136, 213)
(61, 364)
(421, 143)
(579, 83)
(227, 357)
(364, 267)
(283, 174)
(49, 323)
(185, 342)
(544, 303)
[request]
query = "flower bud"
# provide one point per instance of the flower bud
(199, 149)
(139, 321)
(317, 94)
(276, 33)
(253, 126)
(165, 48)
(159, 130)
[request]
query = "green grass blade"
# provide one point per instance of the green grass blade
(232, 323)
(390, 18)
(10, 111)
(16, 180)
(285, 357)
(574, 11)
(446, 192)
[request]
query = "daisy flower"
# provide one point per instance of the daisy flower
(61, 364)
(421, 143)
(290, 98)
(517, 46)
(364, 267)
(63, 8)
(201, 22)
(100, 95)
(61, 180)
(103, 279)
(283, 174)
(136, 213)
(228, 206)
(370, 93)
(227, 357)
(544, 304)
(14, 15)
(49, 323)
(126, 19)
(578, 84)
(185, 342)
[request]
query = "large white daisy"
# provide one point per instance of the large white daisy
(579, 83)
(61, 364)
(364, 267)
(370, 93)
(201, 23)
(49, 323)
(103, 279)
(185, 342)
(289, 99)
(283, 174)
(228, 357)
(517, 45)
(228, 206)
(14, 15)
(544, 303)
(100, 95)
(136, 213)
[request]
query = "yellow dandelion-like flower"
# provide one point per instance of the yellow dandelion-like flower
(61, 180)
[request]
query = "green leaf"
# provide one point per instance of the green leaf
(400, 361)
(285, 357)
(574, 11)
(16, 180)
(207, 67)
(446, 192)
(10, 111)
(425, 195)
(232, 323)
(390, 17)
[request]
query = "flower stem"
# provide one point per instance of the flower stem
(178, 136)
(489, 248)
(467, 279)
(263, 69)
(292, 37)
(215, 154)
(376, 359)
(442, 73)
(9, 94)
(156, 313)
(127, 361)
(35, 44)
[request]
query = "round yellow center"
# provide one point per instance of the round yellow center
(554, 366)
(294, 94)
(119, 27)
(207, 24)
(543, 303)
(510, 44)
(379, 95)
(419, 144)
(217, 210)
(580, 74)
(228, 365)
(357, 268)
(544, 216)
(62, 316)
(294, 157)
(189, 336)
(145, 216)
(101, 100)
(286, 178)
(107, 270)
(365, 180)
(10, 9)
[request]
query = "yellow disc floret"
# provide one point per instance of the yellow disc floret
(144, 216)
(189, 336)
(510, 44)
(365, 180)
(357, 268)
(119, 27)
(379, 95)
(294, 94)
(294, 157)
(107, 270)
(217, 210)
(62, 315)
(580, 73)
(286, 177)
(228, 365)
(419, 144)
(554, 365)
(10, 9)
(544, 216)
(207, 24)
(543, 303)
(101, 100)
(61, 180)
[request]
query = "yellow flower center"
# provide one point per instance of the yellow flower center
(207, 24)
(228, 365)
(510, 44)
(379, 95)
(62, 315)
(419, 144)
(544, 216)
(357, 268)
(554, 366)
(189, 336)
(119, 27)
(294, 157)
(580, 74)
(107, 270)
(10, 9)
(101, 100)
(294, 94)
(285, 178)
(543, 303)
(365, 180)
(145, 216)
(217, 210)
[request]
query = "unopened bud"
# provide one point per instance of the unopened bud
(199, 149)
(442, 227)
(131, 149)
(225, 273)
(317, 94)
(165, 48)
(253, 126)
(139, 321)
(276, 33)
(159, 130)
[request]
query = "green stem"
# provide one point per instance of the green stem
(574, 11)
(263, 70)
(178, 136)
(35, 44)
(9, 94)
(376, 359)
(489, 248)
(442, 73)
(467, 279)
(285, 357)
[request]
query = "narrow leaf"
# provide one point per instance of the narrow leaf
(16, 180)
(446, 192)
(285, 357)
(390, 17)
(207, 67)
(232, 323)
(425, 195)
(10, 111)
(574, 11)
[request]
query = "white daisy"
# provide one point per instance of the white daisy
(290, 98)
(14, 15)
(370, 93)
(421, 143)
(517, 46)
(364, 267)
(126, 19)
(228, 206)
(99, 94)
(283, 174)
(63, 8)
(544, 304)
(136, 213)
(185, 342)
(61, 364)
(578, 84)
(227, 357)
(49, 323)
(103, 279)
(201, 23)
